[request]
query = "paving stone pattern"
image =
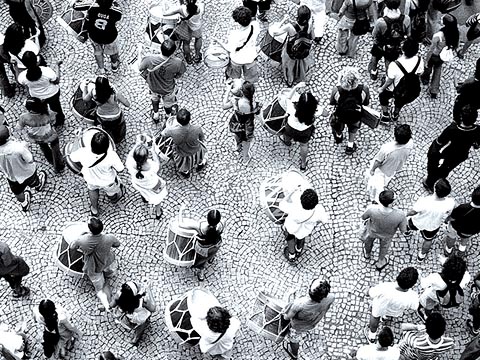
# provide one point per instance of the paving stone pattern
(251, 256)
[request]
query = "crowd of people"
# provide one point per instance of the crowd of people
(397, 29)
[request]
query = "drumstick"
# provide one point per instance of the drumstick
(180, 213)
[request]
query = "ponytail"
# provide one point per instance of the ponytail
(140, 155)
(248, 91)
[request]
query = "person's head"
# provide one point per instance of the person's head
(318, 290)
(248, 90)
(168, 47)
(4, 134)
(349, 78)
(386, 197)
(218, 319)
(35, 105)
(477, 70)
(242, 15)
(402, 134)
(105, 4)
(107, 355)
(95, 225)
(468, 115)
(129, 298)
(435, 325)
(14, 39)
(475, 195)
(450, 30)
(309, 199)
(29, 59)
(392, 4)
(183, 117)
(103, 89)
(213, 217)
(140, 155)
(305, 108)
(212, 234)
(442, 188)
(100, 143)
(410, 48)
(454, 268)
(49, 313)
(385, 337)
(303, 15)
(407, 278)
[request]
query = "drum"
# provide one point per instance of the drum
(159, 27)
(274, 118)
(80, 140)
(216, 57)
(69, 260)
(165, 147)
(274, 190)
(272, 46)
(180, 247)
(83, 110)
(266, 318)
(74, 21)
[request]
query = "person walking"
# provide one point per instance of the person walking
(161, 72)
(384, 349)
(38, 124)
(13, 268)
(473, 33)
(473, 324)
(6, 88)
(305, 313)
(23, 12)
(348, 97)
(467, 93)
(18, 166)
(319, 16)
(382, 222)
(98, 258)
(259, 8)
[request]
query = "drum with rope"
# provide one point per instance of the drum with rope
(159, 26)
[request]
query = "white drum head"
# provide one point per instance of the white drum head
(200, 301)
(73, 231)
(276, 27)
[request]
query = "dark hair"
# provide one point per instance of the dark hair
(476, 196)
(128, 302)
(212, 235)
(105, 4)
(402, 133)
(107, 355)
(453, 269)
(192, 7)
(248, 90)
(103, 90)
(14, 40)
(218, 319)
(385, 337)
(407, 278)
(442, 188)
(435, 325)
(305, 108)
(468, 115)
(320, 292)
(309, 199)
(303, 15)
(477, 69)
(50, 317)
(392, 4)
(242, 15)
(4, 134)
(450, 30)
(386, 197)
(37, 106)
(95, 225)
(410, 48)
(100, 143)
(183, 117)
(168, 47)
(140, 155)
(29, 59)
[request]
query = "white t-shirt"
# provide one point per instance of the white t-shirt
(432, 212)
(29, 46)
(314, 5)
(396, 74)
(389, 301)
(237, 38)
(434, 282)
(371, 352)
(43, 88)
(102, 174)
(392, 156)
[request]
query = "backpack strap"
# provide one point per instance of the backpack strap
(99, 160)
(402, 69)
(246, 41)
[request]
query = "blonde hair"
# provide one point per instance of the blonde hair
(349, 78)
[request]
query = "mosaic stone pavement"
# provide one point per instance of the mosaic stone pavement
(251, 257)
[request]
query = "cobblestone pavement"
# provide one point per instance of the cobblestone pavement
(251, 257)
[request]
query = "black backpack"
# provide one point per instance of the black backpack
(299, 45)
(408, 88)
(395, 33)
(349, 105)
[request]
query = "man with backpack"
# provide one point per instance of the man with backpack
(402, 82)
(388, 34)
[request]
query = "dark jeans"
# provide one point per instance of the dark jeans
(53, 154)
(54, 104)
(436, 171)
(5, 86)
(434, 64)
(253, 5)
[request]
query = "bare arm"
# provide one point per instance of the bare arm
(375, 165)
(122, 99)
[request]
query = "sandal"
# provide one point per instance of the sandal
(287, 350)
(93, 213)
(158, 216)
(188, 59)
(197, 58)
(380, 268)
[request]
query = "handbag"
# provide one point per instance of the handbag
(370, 117)
(360, 26)
(447, 54)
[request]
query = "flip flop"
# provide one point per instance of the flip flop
(285, 347)
(365, 255)
(383, 267)
(93, 213)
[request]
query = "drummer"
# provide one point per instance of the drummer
(191, 23)
(305, 313)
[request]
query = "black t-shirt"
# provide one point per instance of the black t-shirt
(466, 219)
(101, 24)
(459, 140)
(468, 93)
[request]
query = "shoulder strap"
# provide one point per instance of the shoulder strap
(402, 69)
(159, 65)
(416, 66)
(221, 335)
(246, 41)
(99, 160)
(354, 8)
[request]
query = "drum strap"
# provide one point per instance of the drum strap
(159, 65)
(99, 160)
(246, 41)
(221, 335)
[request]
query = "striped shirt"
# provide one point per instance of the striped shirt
(416, 345)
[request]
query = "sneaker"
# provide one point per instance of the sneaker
(23, 291)
(42, 177)
(201, 275)
(421, 256)
(366, 332)
(28, 200)
(447, 251)
(115, 66)
(338, 138)
(385, 119)
(433, 96)
(156, 116)
(471, 329)
(201, 167)
(350, 150)
(374, 75)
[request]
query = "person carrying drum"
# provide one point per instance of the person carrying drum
(99, 261)
(23, 13)
(16, 163)
(241, 46)
(161, 72)
(100, 165)
(13, 268)
(189, 150)
(305, 313)
(191, 23)
(303, 214)
(260, 6)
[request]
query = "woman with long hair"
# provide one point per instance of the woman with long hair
(58, 333)
(16, 43)
(109, 113)
(447, 37)
(143, 170)
(38, 123)
(245, 108)
(133, 307)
